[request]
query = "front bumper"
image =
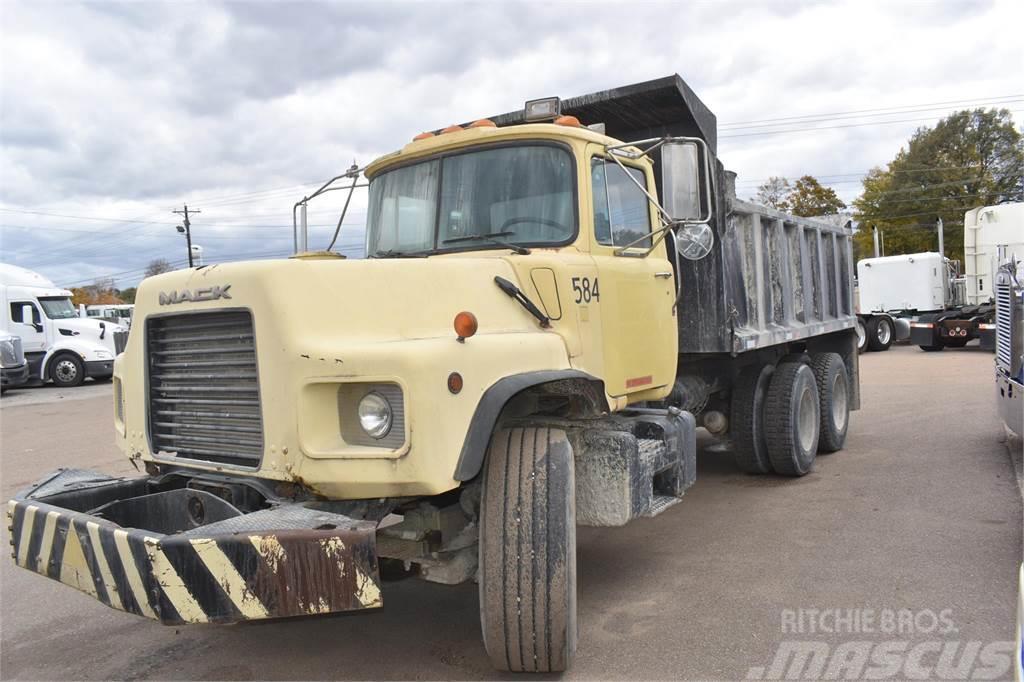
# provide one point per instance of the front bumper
(99, 368)
(14, 376)
(289, 560)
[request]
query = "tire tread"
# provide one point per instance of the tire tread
(779, 419)
(523, 630)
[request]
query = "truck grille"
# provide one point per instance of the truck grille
(120, 341)
(204, 399)
(1004, 316)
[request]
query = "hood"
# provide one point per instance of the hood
(87, 330)
(377, 300)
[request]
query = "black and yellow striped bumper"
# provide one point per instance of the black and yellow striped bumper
(191, 577)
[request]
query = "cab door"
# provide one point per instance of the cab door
(636, 293)
(30, 329)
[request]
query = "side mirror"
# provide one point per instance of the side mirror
(682, 181)
(686, 186)
(28, 317)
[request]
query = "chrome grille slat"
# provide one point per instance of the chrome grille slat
(203, 363)
(204, 401)
(208, 427)
(1003, 323)
(201, 339)
(182, 413)
(194, 351)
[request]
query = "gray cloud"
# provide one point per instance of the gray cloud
(126, 110)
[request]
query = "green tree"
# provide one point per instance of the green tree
(969, 159)
(127, 295)
(809, 198)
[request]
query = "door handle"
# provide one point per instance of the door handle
(663, 275)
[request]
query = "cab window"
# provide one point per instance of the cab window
(16, 316)
(621, 213)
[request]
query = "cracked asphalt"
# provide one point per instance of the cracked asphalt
(920, 512)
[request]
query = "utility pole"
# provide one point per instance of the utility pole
(874, 236)
(186, 229)
(938, 226)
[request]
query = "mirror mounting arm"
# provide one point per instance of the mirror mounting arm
(642, 148)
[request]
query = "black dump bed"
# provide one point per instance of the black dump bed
(771, 277)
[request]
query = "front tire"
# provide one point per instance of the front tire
(880, 333)
(67, 370)
(833, 400)
(792, 419)
(528, 551)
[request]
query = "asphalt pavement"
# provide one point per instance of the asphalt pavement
(920, 514)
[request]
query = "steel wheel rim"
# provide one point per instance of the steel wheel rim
(66, 370)
(839, 398)
(884, 332)
(862, 335)
(805, 421)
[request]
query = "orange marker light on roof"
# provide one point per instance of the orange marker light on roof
(422, 136)
(465, 325)
(570, 121)
(451, 129)
(483, 123)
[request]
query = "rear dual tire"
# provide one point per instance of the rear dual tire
(880, 332)
(792, 419)
(528, 551)
(833, 400)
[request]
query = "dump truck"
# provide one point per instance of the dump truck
(553, 300)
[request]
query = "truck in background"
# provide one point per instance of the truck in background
(923, 296)
(970, 307)
(547, 312)
(58, 345)
(13, 368)
(118, 313)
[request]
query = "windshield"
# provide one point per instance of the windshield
(58, 307)
(523, 194)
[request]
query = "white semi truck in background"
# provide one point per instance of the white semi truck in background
(118, 313)
(59, 346)
(924, 295)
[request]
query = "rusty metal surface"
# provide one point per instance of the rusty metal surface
(195, 577)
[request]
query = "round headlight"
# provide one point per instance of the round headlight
(375, 415)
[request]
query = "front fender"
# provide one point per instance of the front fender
(88, 352)
(489, 409)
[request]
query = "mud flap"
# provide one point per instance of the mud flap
(290, 560)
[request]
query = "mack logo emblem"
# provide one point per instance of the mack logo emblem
(205, 294)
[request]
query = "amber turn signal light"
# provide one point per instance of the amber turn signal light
(465, 325)
(454, 382)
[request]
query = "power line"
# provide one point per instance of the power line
(847, 125)
(868, 111)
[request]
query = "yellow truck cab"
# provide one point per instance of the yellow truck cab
(545, 314)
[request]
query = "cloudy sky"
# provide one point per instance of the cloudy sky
(112, 115)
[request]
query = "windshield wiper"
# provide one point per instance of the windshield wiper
(515, 292)
(492, 238)
(391, 253)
